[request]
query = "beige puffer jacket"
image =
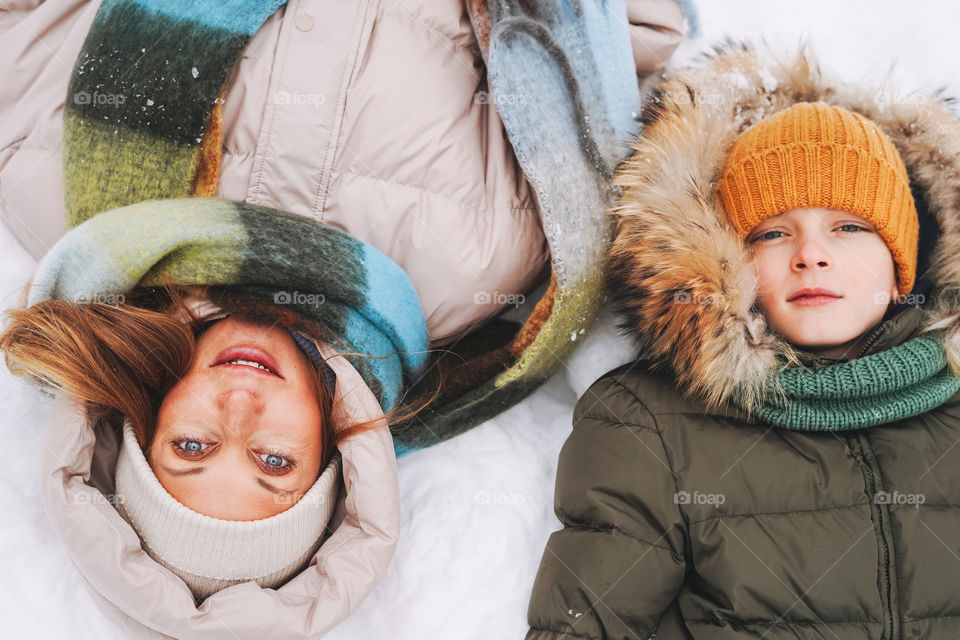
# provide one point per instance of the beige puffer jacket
(366, 115)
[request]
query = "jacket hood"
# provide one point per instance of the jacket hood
(148, 601)
(679, 273)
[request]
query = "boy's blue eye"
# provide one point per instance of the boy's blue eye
(766, 235)
(851, 226)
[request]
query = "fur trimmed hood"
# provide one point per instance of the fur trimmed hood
(679, 274)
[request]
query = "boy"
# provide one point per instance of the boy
(781, 462)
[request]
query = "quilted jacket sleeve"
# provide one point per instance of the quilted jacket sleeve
(618, 562)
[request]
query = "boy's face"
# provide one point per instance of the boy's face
(835, 251)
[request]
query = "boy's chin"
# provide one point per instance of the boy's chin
(828, 343)
(833, 333)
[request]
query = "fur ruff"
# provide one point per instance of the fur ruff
(679, 274)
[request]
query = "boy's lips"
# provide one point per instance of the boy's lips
(813, 296)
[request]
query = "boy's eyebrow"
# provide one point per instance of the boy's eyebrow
(263, 483)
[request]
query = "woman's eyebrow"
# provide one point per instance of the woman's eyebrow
(182, 472)
(263, 483)
(270, 487)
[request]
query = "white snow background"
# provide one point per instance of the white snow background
(478, 509)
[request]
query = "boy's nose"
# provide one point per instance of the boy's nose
(811, 254)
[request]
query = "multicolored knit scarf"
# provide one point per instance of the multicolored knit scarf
(142, 122)
(358, 299)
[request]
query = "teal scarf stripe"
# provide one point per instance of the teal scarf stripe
(355, 291)
(882, 388)
(155, 67)
(240, 16)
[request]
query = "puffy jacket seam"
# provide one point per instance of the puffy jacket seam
(358, 42)
(917, 619)
(33, 147)
(326, 558)
(616, 423)
(562, 633)
(781, 623)
(660, 28)
(571, 524)
(402, 185)
(698, 414)
(265, 134)
(666, 456)
(15, 144)
(941, 505)
(415, 20)
(778, 513)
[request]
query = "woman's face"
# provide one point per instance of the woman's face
(234, 441)
(828, 249)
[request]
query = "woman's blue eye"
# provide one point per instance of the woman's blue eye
(190, 446)
(273, 461)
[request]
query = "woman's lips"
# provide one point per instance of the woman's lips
(254, 354)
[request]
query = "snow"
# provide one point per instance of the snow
(478, 509)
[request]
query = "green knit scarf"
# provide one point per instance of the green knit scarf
(900, 382)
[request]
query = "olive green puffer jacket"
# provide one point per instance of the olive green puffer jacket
(685, 517)
(697, 524)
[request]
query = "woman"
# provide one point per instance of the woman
(394, 141)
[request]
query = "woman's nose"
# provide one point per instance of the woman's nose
(239, 405)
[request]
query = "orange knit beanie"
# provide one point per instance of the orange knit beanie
(818, 155)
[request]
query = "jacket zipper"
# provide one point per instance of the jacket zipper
(889, 627)
(882, 329)
(871, 339)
